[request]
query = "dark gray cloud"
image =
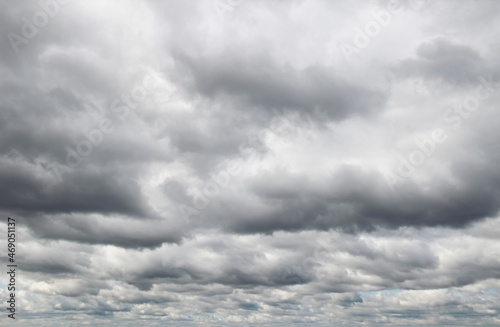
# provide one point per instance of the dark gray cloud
(354, 200)
(97, 229)
(444, 60)
(83, 192)
(316, 91)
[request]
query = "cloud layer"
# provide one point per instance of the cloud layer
(252, 161)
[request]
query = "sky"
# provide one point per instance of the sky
(251, 162)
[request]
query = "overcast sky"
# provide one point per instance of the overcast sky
(251, 162)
